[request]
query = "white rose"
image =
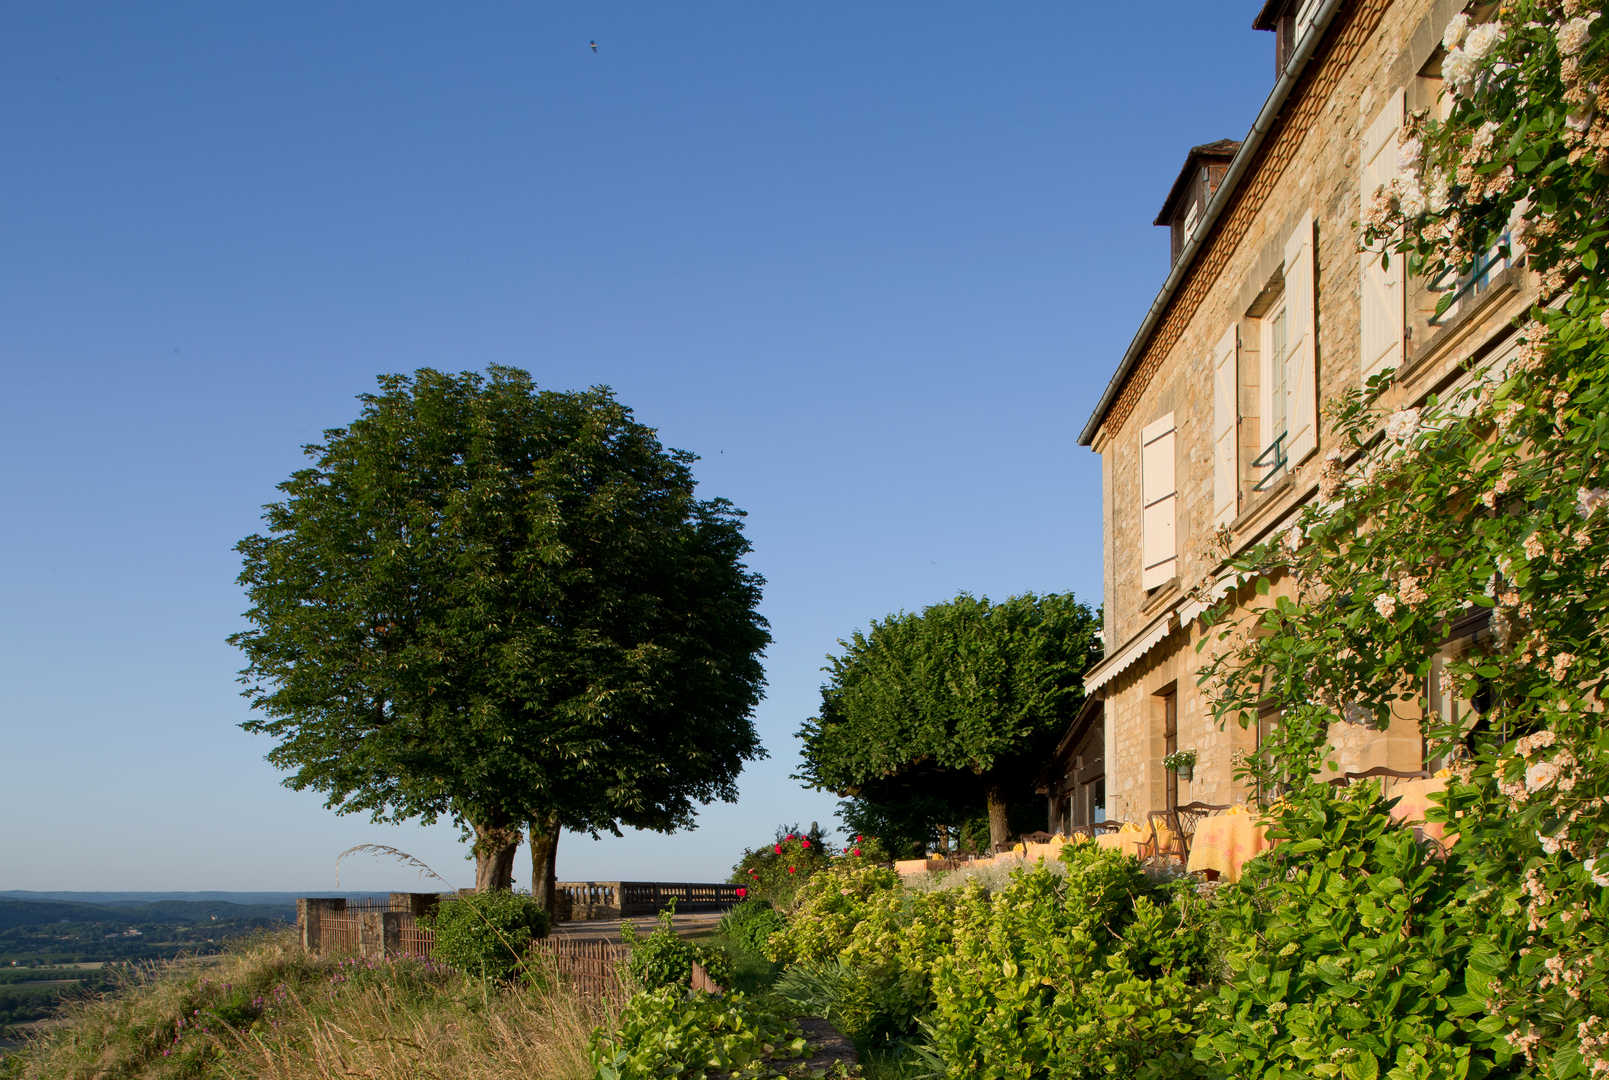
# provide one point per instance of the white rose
(1540, 774)
(1453, 36)
(1401, 425)
(1573, 35)
(1459, 70)
(1482, 40)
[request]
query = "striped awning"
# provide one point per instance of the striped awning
(1126, 657)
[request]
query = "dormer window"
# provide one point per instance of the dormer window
(1186, 205)
(1290, 21)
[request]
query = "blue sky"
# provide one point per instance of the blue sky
(872, 262)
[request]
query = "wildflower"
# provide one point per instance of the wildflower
(1480, 143)
(1412, 592)
(741, 892)
(1386, 605)
(1587, 500)
(857, 851)
(1599, 877)
(790, 869)
(859, 838)
(806, 843)
(1561, 664)
(1533, 546)
(1539, 740)
(779, 849)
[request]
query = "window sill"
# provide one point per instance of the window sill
(1446, 338)
(1263, 505)
(1160, 597)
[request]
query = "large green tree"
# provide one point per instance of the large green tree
(957, 703)
(506, 607)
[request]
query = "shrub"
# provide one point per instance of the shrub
(827, 910)
(1094, 973)
(747, 926)
(777, 870)
(487, 933)
(1344, 947)
(665, 959)
(667, 1032)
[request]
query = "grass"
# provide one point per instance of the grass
(266, 1010)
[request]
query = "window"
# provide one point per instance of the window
(1273, 391)
(1095, 800)
(1158, 498)
(1287, 357)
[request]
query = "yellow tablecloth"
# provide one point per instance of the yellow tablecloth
(1223, 842)
(1129, 839)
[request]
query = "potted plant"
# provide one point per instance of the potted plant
(1182, 762)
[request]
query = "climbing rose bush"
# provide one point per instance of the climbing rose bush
(1492, 497)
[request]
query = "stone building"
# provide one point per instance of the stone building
(1213, 427)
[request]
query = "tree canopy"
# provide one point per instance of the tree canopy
(956, 703)
(503, 606)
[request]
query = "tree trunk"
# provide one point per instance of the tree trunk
(999, 828)
(544, 862)
(494, 849)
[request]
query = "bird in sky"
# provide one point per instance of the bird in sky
(594, 45)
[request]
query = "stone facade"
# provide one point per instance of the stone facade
(1309, 162)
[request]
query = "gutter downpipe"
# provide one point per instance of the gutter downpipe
(1237, 168)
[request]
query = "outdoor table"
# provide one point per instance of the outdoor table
(1224, 841)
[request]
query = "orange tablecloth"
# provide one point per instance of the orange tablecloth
(1223, 842)
(1413, 799)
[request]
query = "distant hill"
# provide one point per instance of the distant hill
(114, 897)
(40, 912)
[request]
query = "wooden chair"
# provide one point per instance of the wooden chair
(1039, 837)
(1169, 820)
(1190, 815)
(1106, 827)
(1086, 831)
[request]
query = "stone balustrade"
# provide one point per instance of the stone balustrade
(620, 899)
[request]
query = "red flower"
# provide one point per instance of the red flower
(857, 851)
(792, 836)
(858, 839)
(806, 843)
(779, 849)
(741, 893)
(754, 873)
(790, 869)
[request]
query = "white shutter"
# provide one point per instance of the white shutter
(1382, 310)
(1306, 11)
(1157, 548)
(1226, 429)
(1301, 370)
